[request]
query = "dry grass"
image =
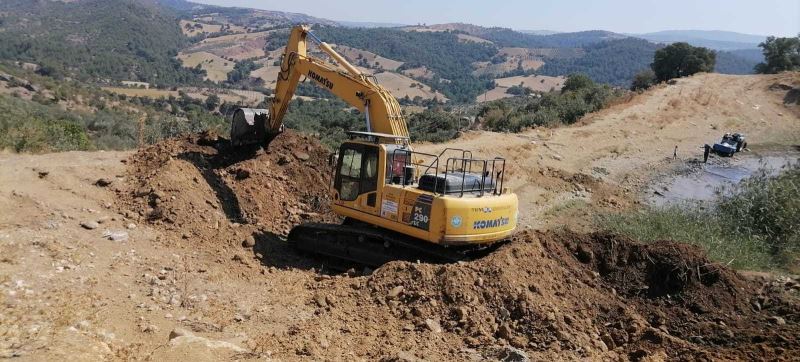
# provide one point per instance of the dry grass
(216, 68)
(400, 86)
(193, 28)
(139, 92)
(353, 55)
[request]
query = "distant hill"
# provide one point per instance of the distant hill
(713, 39)
(368, 24)
(95, 40)
(506, 37)
(753, 55)
(539, 32)
(178, 42)
(614, 61)
(732, 63)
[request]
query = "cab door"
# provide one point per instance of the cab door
(356, 179)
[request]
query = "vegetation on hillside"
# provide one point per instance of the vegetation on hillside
(95, 40)
(330, 120)
(450, 59)
(327, 119)
(614, 62)
(68, 115)
(643, 80)
(579, 96)
(754, 226)
(780, 54)
(681, 59)
(510, 38)
(733, 63)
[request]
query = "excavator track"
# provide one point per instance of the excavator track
(371, 246)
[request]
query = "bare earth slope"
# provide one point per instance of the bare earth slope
(181, 256)
(611, 153)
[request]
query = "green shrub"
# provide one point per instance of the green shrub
(754, 226)
(579, 97)
(433, 126)
(768, 207)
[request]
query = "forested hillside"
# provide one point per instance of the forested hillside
(613, 61)
(450, 59)
(735, 63)
(510, 38)
(94, 40)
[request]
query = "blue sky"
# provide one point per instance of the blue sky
(762, 17)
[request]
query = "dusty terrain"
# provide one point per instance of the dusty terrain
(176, 252)
(608, 156)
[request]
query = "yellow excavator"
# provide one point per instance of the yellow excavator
(397, 203)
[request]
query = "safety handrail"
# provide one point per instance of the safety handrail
(488, 167)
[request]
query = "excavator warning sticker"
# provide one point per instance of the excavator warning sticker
(388, 208)
(421, 213)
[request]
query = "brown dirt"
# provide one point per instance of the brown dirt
(552, 295)
(70, 293)
(201, 188)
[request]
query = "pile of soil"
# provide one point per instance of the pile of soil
(544, 295)
(201, 187)
(549, 296)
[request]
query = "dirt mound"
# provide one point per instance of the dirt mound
(552, 295)
(547, 295)
(201, 187)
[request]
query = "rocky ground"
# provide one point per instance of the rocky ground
(177, 252)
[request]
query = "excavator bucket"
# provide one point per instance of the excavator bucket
(248, 127)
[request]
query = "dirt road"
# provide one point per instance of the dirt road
(197, 270)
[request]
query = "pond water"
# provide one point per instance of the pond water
(702, 182)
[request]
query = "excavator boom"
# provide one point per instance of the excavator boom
(380, 108)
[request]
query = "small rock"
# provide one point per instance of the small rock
(302, 156)
(777, 320)
(433, 325)
(90, 225)
(178, 332)
(511, 354)
(43, 174)
(83, 325)
(249, 242)
(242, 174)
(505, 332)
(116, 235)
(131, 226)
(103, 182)
(330, 299)
(405, 356)
(472, 341)
(461, 314)
(395, 292)
(103, 220)
(150, 329)
(320, 300)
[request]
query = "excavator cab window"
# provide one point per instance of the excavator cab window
(357, 172)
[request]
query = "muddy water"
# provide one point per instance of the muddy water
(702, 182)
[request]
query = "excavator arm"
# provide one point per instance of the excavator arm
(381, 109)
